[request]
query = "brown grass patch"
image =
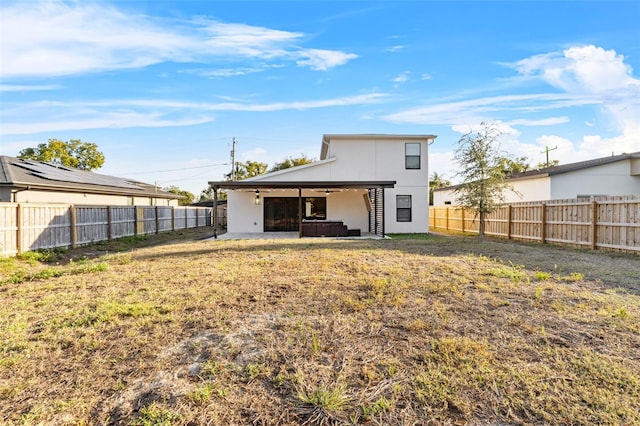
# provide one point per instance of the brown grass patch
(438, 330)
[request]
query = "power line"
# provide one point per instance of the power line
(170, 170)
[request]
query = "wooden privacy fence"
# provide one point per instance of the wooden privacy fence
(27, 226)
(602, 222)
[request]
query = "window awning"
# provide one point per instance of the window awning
(256, 184)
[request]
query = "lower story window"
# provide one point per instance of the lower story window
(315, 208)
(403, 208)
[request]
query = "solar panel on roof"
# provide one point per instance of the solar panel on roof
(63, 174)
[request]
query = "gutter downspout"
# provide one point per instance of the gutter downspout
(13, 193)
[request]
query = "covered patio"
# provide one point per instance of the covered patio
(298, 219)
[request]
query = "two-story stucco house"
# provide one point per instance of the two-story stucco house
(361, 184)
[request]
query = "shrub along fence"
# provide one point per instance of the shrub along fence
(600, 222)
(29, 226)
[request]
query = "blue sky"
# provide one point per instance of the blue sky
(163, 86)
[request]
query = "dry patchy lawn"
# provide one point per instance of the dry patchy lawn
(438, 330)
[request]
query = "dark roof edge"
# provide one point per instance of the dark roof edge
(143, 192)
(302, 184)
(562, 168)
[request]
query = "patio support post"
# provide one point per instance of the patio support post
(383, 212)
(214, 214)
(375, 211)
(300, 212)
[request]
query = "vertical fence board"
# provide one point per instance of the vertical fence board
(8, 229)
(92, 224)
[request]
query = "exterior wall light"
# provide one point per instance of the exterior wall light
(257, 199)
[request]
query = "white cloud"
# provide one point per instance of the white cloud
(549, 121)
(27, 88)
(127, 113)
(113, 120)
(582, 69)
(426, 76)
(322, 60)
(394, 48)
(401, 78)
(587, 76)
(475, 110)
(51, 38)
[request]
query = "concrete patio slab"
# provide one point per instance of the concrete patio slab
(284, 235)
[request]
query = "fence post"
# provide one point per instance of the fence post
(173, 218)
(509, 219)
(462, 219)
(135, 220)
(447, 216)
(157, 220)
(543, 226)
(73, 231)
(109, 219)
(19, 224)
(594, 224)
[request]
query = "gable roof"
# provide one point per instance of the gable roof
(29, 174)
(571, 167)
(562, 168)
(326, 139)
(290, 170)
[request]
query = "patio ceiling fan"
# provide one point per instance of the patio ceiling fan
(327, 191)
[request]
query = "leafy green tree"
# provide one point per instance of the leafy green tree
(481, 171)
(291, 162)
(249, 169)
(188, 196)
(436, 181)
(74, 153)
(511, 166)
(552, 163)
(207, 194)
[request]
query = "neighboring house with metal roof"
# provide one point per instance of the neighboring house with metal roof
(362, 184)
(607, 176)
(28, 181)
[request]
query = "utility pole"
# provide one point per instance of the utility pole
(546, 150)
(233, 160)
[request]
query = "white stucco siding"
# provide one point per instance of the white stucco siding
(608, 179)
(349, 206)
(243, 215)
(78, 198)
(419, 210)
(307, 172)
(355, 159)
(444, 197)
(535, 189)
(377, 159)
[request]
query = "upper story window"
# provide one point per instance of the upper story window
(412, 155)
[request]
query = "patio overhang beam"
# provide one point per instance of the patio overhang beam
(302, 185)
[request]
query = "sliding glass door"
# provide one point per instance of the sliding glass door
(281, 213)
